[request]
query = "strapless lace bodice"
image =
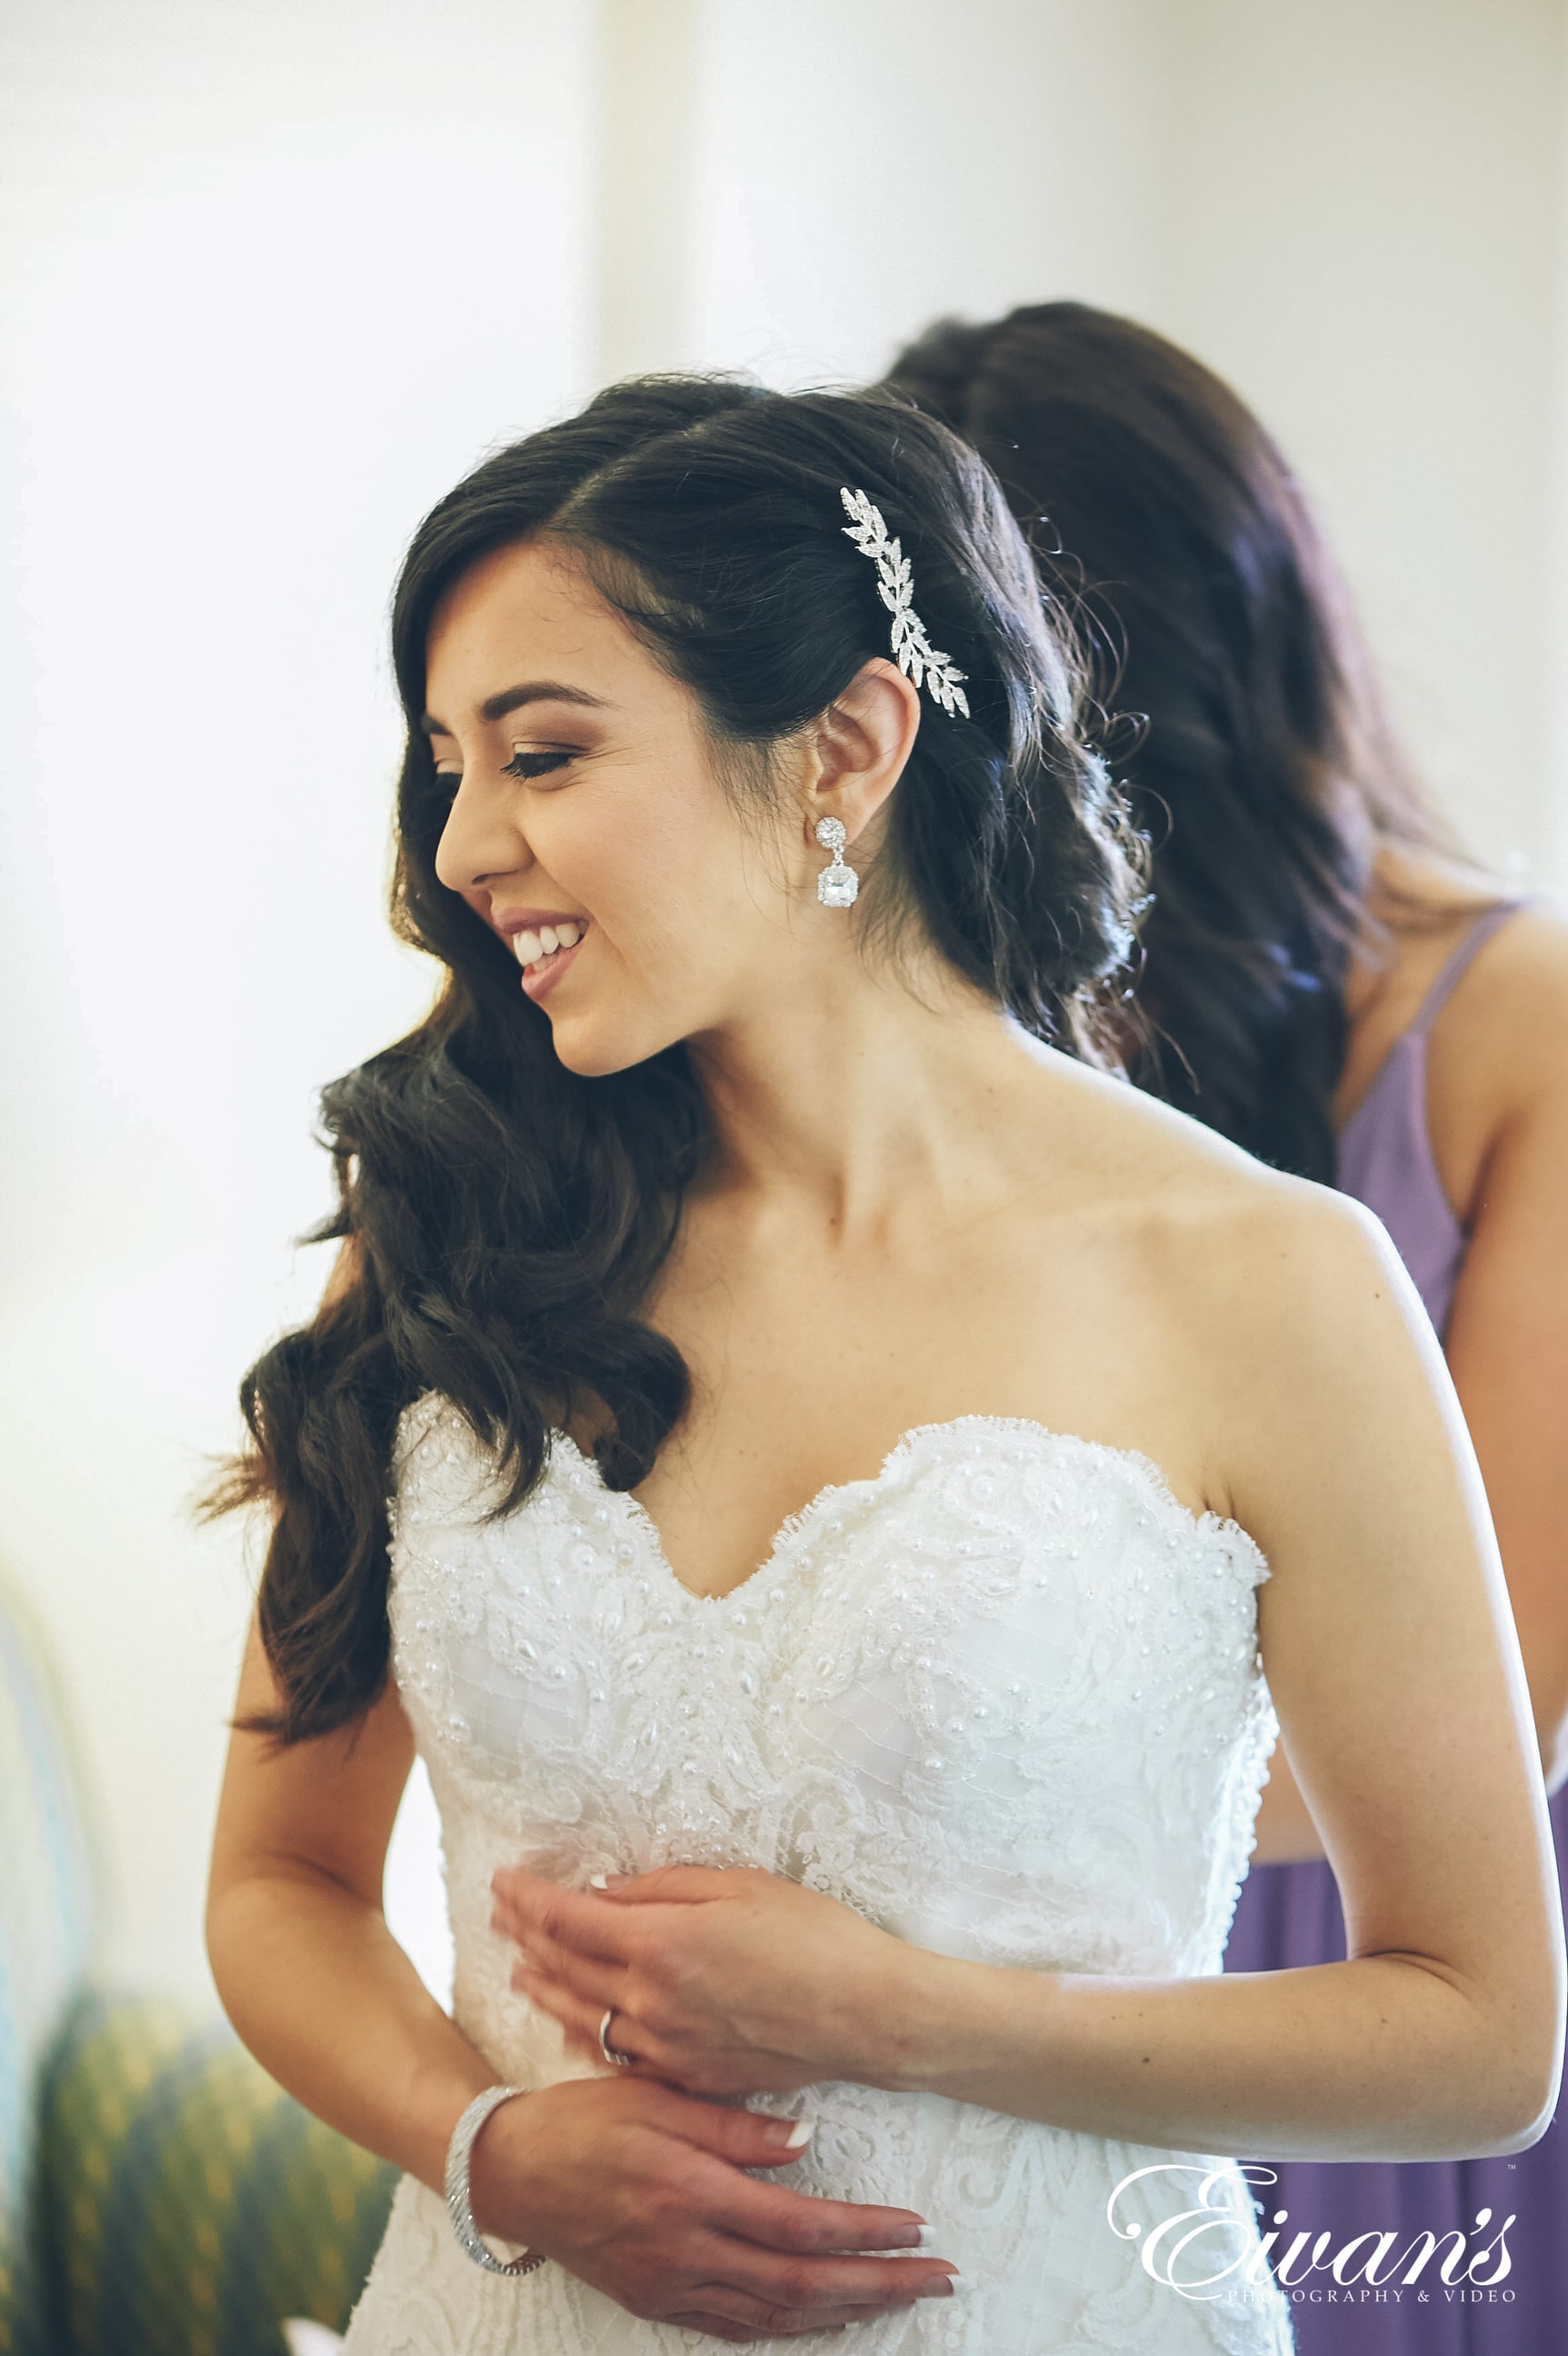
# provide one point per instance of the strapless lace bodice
(1003, 1697)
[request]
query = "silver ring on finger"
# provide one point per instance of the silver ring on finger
(613, 2052)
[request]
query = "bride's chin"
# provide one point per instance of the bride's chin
(596, 1050)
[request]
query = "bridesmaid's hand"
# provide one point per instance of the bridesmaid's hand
(722, 1982)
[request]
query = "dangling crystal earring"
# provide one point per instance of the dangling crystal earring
(838, 884)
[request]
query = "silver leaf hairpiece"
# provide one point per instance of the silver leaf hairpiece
(913, 651)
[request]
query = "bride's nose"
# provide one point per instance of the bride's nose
(481, 838)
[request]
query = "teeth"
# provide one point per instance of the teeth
(530, 948)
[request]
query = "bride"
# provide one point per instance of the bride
(818, 1468)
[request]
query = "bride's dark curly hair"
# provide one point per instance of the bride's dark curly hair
(1265, 774)
(505, 1217)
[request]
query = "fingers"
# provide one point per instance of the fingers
(749, 2335)
(718, 2326)
(774, 2214)
(808, 2285)
(536, 1913)
(740, 2335)
(569, 1988)
(778, 2217)
(697, 2241)
(757, 2289)
(747, 2139)
(580, 2021)
(675, 1885)
(573, 1984)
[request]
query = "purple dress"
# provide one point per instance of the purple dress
(1290, 1914)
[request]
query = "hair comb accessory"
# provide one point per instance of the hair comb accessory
(912, 651)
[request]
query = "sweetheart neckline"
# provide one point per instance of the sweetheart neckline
(1202, 1524)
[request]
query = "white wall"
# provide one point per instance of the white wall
(1363, 228)
(271, 277)
(866, 167)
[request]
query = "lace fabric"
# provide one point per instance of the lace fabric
(1003, 1697)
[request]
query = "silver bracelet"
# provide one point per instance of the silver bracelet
(458, 2152)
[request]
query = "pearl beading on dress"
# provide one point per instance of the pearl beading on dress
(1002, 1697)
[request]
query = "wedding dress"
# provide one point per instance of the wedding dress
(1003, 1699)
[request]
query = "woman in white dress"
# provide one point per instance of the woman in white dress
(820, 1468)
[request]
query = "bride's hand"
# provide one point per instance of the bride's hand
(733, 1982)
(643, 2193)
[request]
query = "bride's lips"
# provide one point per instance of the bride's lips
(521, 927)
(538, 979)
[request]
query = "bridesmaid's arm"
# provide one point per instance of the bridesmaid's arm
(1498, 1101)
(1285, 1832)
(1508, 1335)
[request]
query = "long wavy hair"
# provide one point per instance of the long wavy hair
(1254, 746)
(505, 1217)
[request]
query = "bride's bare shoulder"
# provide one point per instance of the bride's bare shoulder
(1224, 1237)
(1100, 1133)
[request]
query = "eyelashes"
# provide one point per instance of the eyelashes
(534, 765)
(522, 766)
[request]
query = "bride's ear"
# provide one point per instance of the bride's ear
(860, 745)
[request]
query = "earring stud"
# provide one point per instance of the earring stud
(837, 886)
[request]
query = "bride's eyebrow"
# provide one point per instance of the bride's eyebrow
(512, 699)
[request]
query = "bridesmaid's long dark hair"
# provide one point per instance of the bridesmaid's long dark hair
(504, 1217)
(1263, 769)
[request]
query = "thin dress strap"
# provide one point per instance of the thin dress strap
(1490, 920)
(1384, 1156)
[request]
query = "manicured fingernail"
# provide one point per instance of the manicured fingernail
(599, 1881)
(943, 2289)
(800, 2135)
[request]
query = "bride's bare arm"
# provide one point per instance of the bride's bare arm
(299, 1946)
(1391, 1652)
(1387, 1642)
(637, 2188)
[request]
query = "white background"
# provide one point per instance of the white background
(273, 276)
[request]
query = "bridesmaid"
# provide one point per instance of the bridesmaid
(1331, 983)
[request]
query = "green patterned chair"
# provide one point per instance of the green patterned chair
(159, 2194)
